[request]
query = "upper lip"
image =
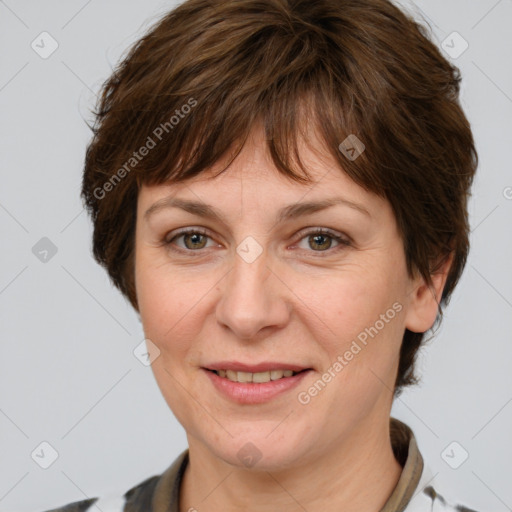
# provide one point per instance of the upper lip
(254, 368)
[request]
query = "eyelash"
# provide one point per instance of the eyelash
(343, 242)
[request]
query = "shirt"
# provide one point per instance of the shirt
(414, 491)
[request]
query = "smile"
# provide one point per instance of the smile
(259, 377)
(254, 387)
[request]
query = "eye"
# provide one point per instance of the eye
(321, 240)
(193, 240)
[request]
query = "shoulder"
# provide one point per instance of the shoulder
(139, 495)
(159, 491)
(417, 489)
(438, 503)
(77, 506)
(427, 499)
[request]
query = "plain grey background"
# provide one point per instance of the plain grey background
(68, 375)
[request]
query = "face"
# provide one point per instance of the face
(270, 283)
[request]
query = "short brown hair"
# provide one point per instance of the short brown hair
(193, 87)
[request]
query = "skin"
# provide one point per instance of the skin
(303, 301)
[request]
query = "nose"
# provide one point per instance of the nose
(253, 299)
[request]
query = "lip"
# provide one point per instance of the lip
(255, 393)
(254, 368)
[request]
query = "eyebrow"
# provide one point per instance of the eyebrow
(286, 213)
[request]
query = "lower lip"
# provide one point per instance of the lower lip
(254, 393)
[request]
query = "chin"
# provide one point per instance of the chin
(260, 451)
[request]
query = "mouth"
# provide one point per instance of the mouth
(256, 377)
(255, 384)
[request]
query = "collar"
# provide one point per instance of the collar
(408, 455)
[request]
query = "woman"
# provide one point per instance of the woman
(280, 189)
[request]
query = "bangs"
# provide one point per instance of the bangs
(196, 112)
(292, 111)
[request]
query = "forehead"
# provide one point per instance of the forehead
(252, 177)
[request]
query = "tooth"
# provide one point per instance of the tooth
(261, 377)
(276, 374)
(231, 375)
(244, 377)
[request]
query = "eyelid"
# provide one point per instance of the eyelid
(343, 241)
(313, 230)
(184, 231)
(169, 237)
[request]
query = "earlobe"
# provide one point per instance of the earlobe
(424, 303)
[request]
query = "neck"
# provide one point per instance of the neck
(358, 473)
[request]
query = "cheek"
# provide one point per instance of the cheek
(172, 314)
(170, 306)
(348, 303)
(357, 316)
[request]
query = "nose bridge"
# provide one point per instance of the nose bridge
(251, 298)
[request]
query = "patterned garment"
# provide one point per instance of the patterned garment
(414, 491)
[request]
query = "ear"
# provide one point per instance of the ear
(424, 302)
